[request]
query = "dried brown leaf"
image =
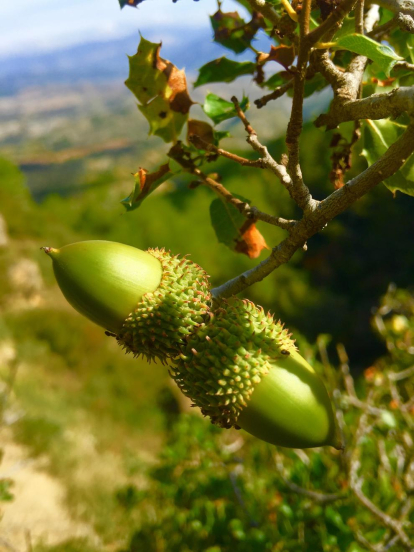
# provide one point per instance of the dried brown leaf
(252, 242)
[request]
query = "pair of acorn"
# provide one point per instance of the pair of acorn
(235, 362)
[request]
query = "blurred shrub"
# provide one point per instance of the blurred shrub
(5, 490)
(73, 545)
(61, 331)
(39, 433)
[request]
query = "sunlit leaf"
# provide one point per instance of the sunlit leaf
(383, 55)
(389, 419)
(378, 137)
(347, 28)
(163, 121)
(161, 89)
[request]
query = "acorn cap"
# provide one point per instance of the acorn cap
(104, 280)
(163, 320)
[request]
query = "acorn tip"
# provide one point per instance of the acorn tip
(49, 250)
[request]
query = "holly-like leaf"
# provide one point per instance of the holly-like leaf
(378, 137)
(161, 89)
(285, 55)
(145, 184)
(163, 121)
(223, 70)
(219, 109)
(145, 79)
(231, 31)
(382, 55)
(233, 230)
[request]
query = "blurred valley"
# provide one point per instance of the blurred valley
(67, 119)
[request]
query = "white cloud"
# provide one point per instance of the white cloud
(31, 26)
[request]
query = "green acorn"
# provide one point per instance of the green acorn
(149, 300)
(236, 363)
(243, 370)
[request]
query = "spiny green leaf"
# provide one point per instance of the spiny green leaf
(231, 31)
(219, 109)
(383, 55)
(145, 81)
(378, 137)
(164, 122)
(161, 90)
(223, 70)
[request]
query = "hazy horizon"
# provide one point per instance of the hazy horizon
(43, 26)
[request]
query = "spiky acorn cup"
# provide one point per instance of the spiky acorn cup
(243, 370)
(236, 363)
(149, 300)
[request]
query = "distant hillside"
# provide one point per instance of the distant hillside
(105, 60)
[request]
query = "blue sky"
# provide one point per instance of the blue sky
(29, 26)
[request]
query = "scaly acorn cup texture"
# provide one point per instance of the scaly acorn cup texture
(235, 362)
(243, 370)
